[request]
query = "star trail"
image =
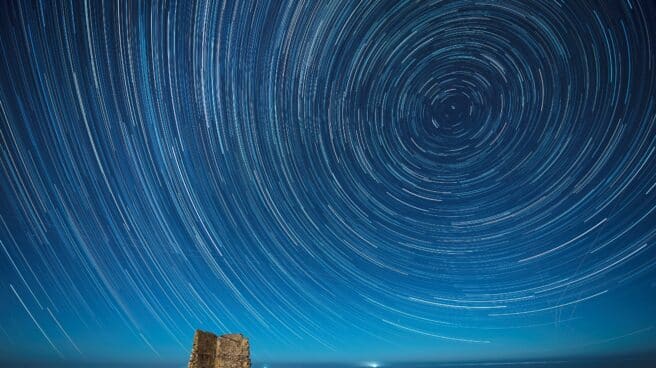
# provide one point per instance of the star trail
(338, 180)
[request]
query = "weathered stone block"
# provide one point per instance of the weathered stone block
(225, 351)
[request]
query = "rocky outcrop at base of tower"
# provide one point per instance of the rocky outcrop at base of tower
(225, 351)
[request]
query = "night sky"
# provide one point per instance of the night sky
(340, 181)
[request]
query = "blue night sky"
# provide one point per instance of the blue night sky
(340, 181)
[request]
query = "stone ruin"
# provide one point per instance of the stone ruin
(225, 351)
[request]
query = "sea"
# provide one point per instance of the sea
(613, 362)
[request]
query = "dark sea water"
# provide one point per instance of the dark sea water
(578, 363)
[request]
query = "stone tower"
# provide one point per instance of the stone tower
(225, 351)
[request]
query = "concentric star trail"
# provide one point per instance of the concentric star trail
(326, 177)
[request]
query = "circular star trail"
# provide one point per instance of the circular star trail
(304, 171)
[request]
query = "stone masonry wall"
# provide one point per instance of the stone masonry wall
(226, 351)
